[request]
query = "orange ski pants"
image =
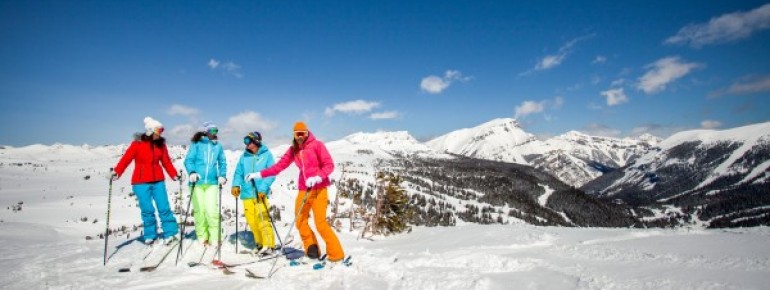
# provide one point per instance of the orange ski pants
(317, 201)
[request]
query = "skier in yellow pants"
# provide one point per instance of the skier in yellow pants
(255, 194)
(259, 222)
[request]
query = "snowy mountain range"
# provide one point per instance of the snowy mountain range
(692, 176)
(718, 178)
(575, 158)
(706, 177)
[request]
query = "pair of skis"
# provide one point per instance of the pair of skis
(155, 266)
(321, 264)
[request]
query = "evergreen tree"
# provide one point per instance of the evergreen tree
(393, 212)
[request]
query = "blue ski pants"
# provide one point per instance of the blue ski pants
(147, 193)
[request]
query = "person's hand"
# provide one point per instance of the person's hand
(253, 176)
(113, 176)
(261, 196)
(235, 191)
(222, 180)
(313, 181)
(194, 177)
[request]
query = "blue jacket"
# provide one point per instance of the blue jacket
(207, 159)
(250, 163)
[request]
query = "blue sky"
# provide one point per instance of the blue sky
(89, 71)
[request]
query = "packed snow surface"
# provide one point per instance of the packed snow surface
(45, 245)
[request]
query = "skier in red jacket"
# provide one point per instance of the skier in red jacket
(148, 153)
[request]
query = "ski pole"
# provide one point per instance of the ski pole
(298, 210)
(269, 216)
(181, 195)
(184, 225)
(236, 224)
(107, 229)
(219, 247)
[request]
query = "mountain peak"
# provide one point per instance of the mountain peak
(507, 122)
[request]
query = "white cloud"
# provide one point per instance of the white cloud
(245, 122)
(558, 102)
(435, 84)
(710, 124)
(553, 60)
(662, 72)
(658, 130)
(550, 61)
(615, 96)
(233, 69)
(532, 107)
(229, 68)
(384, 115)
(351, 107)
(596, 129)
(527, 108)
(182, 110)
(180, 134)
(618, 82)
(746, 86)
(599, 59)
(213, 63)
(726, 28)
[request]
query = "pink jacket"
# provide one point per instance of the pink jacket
(312, 159)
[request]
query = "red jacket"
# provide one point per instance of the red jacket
(312, 159)
(147, 157)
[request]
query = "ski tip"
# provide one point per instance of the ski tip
(123, 270)
(251, 274)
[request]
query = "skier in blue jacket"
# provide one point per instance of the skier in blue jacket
(207, 168)
(256, 157)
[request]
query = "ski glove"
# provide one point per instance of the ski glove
(252, 176)
(222, 180)
(114, 176)
(194, 177)
(312, 181)
(261, 196)
(235, 191)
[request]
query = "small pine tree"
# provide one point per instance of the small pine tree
(393, 212)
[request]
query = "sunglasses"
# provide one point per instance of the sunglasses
(213, 131)
(300, 134)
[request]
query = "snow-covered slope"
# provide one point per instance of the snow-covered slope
(499, 140)
(381, 145)
(575, 158)
(56, 196)
(720, 176)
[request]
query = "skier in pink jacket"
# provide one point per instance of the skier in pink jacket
(315, 165)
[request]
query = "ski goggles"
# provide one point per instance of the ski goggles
(251, 138)
(299, 134)
(213, 131)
